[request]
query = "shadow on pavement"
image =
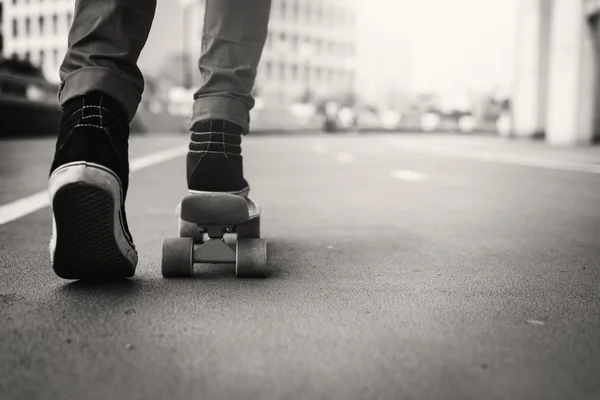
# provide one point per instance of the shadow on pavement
(114, 287)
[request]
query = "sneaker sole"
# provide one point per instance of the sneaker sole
(89, 240)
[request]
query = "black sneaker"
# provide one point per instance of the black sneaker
(214, 160)
(88, 185)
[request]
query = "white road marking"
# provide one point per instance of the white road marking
(407, 175)
(502, 158)
(22, 207)
(535, 322)
(156, 158)
(30, 204)
(345, 157)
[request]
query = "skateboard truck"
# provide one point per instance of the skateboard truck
(215, 250)
(216, 214)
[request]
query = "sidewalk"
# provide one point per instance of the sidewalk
(491, 144)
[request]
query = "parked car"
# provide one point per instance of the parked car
(466, 123)
(391, 119)
(430, 121)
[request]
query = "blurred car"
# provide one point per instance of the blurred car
(368, 119)
(330, 114)
(503, 124)
(466, 123)
(346, 118)
(390, 119)
(430, 121)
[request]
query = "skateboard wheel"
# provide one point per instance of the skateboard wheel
(190, 230)
(177, 257)
(251, 258)
(249, 229)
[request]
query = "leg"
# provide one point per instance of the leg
(234, 35)
(100, 91)
(105, 42)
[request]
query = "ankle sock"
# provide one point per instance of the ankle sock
(216, 136)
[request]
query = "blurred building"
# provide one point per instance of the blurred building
(384, 62)
(37, 31)
(310, 51)
(557, 80)
(193, 25)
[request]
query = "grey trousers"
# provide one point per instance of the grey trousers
(107, 36)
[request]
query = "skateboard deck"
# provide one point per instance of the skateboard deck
(204, 219)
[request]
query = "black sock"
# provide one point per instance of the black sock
(216, 136)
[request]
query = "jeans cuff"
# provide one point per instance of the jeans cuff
(107, 81)
(223, 108)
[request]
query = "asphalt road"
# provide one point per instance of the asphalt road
(405, 267)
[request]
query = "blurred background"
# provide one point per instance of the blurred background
(517, 68)
(430, 191)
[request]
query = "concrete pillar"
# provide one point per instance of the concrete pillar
(572, 76)
(531, 69)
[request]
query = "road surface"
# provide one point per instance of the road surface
(401, 267)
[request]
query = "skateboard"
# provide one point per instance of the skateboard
(204, 219)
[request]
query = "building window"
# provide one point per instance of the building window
(27, 26)
(283, 8)
(15, 28)
(69, 20)
(27, 55)
(294, 72)
(282, 71)
(41, 24)
(55, 24)
(269, 67)
(296, 11)
(269, 43)
(282, 42)
(55, 59)
(42, 56)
